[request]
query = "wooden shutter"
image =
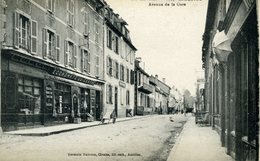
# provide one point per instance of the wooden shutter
(75, 57)
(66, 54)
(57, 48)
(132, 77)
(34, 33)
(44, 42)
(16, 30)
(88, 66)
(107, 93)
(82, 60)
(107, 65)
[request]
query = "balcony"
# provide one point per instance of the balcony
(146, 88)
(153, 81)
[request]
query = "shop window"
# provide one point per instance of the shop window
(29, 95)
(62, 98)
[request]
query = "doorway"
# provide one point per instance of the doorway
(116, 101)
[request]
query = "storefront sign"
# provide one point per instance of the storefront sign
(49, 97)
(122, 84)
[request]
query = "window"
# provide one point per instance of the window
(109, 94)
(96, 27)
(34, 31)
(132, 54)
(97, 61)
(110, 67)
(116, 45)
(127, 76)
(25, 33)
(70, 54)
(70, 12)
(29, 95)
(86, 24)
(50, 5)
(122, 73)
(127, 97)
(117, 70)
(51, 45)
(109, 39)
(85, 59)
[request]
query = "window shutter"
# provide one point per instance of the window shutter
(107, 93)
(75, 57)
(53, 5)
(82, 60)
(28, 37)
(107, 65)
(112, 94)
(16, 30)
(57, 48)
(88, 63)
(44, 44)
(66, 58)
(132, 77)
(34, 32)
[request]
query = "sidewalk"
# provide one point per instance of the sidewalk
(198, 144)
(49, 130)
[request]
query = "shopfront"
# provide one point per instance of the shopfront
(36, 95)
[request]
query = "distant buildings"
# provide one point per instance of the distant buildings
(230, 57)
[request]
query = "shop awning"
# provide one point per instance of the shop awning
(221, 46)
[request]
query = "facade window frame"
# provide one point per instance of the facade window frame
(71, 12)
(50, 5)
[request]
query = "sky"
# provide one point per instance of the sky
(168, 38)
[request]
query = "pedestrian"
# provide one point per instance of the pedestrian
(113, 116)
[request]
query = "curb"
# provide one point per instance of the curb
(175, 146)
(77, 128)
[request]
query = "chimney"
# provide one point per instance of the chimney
(163, 80)
(156, 76)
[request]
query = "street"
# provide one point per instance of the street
(149, 138)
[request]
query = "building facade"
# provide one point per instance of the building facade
(230, 59)
(52, 70)
(119, 53)
(143, 102)
(2, 40)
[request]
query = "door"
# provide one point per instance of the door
(98, 105)
(116, 101)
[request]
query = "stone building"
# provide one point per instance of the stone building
(52, 70)
(143, 90)
(230, 59)
(119, 54)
